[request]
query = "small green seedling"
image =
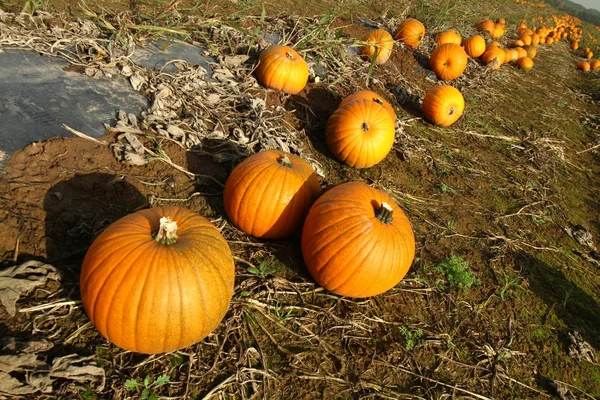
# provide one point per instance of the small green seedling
(147, 386)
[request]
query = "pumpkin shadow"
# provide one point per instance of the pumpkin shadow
(78, 209)
(313, 107)
(573, 305)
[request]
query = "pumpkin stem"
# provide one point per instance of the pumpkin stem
(378, 100)
(167, 231)
(384, 213)
(451, 111)
(284, 161)
(289, 55)
(365, 127)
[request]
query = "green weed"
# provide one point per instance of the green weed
(266, 267)
(148, 386)
(412, 338)
(456, 272)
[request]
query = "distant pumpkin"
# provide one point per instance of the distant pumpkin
(474, 46)
(448, 61)
(525, 63)
(450, 36)
(410, 32)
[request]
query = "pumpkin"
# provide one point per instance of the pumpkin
(282, 68)
(501, 21)
(522, 52)
(474, 46)
(486, 25)
(450, 36)
(583, 66)
(535, 39)
(361, 133)
(526, 39)
(589, 55)
(498, 32)
(448, 61)
(356, 241)
(443, 105)
(157, 280)
(369, 95)
(410, 32)
(493, 57)
(516, 43)
(510, 55)
(268, 194)
(531, 51)
(380, 42)
(594, 65)
(525, 63)
(493, 44)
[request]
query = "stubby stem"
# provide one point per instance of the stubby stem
(284, 161)
(289, 55)
(385, 213)
(167, 231)
(365, 127)
(451, 111)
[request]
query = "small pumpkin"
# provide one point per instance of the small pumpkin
(589, 55)
(493, 44)
(356, 241)
(443, 105)
(450, 36)
(369, 95)
(583, 66)
(595, 65)
(522, 52)
(380, 42)
(516, 43)
(157, 280)
(493, 57)
(498, 31)
(535, 39)
(526, 39)
(525, 63)
(486, 25)
(282, 68)
(531, 51)
(268, 194)
(410, 32)
(448, 61)
(361, 133)
(474, 46)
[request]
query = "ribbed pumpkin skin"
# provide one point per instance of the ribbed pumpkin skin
(448, 61)
(525, 63)
(268, 200)
(443, 105)
(474, 46)
(450, 36)
(410, 32)
(494, 57)
(361, 133)
(348, 250)
(380, 41)
(282, 68)
(149, 297)
(369, 95)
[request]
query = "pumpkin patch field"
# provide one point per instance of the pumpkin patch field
(351, 200)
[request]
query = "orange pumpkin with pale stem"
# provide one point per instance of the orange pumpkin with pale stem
(268, 194)
(356, 241)
(450, 36)
(410, 32)
(380, 42)
(369, 95)
(493, 57)
(474, 46)
(361, 133)
(525, 63)
(282, 68)
(443, 105)
(157, 280)
(448, 61)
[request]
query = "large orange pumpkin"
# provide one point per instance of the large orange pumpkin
(369, 95)
(448, 61)
(361, 133)
(474, 46)
(282, 68)
(450, 36)
(410, 32)
(380, 42)
(157, 280)
(356, 241)
(443, 105)
(268, 194)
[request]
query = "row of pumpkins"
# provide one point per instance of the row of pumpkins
(162, 279)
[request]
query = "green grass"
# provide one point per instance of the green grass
(457, 273)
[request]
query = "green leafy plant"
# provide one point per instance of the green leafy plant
(412, 338)
(456, 272)
(266, 267)
(148, 386)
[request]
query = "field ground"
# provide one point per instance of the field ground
(503, 299)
